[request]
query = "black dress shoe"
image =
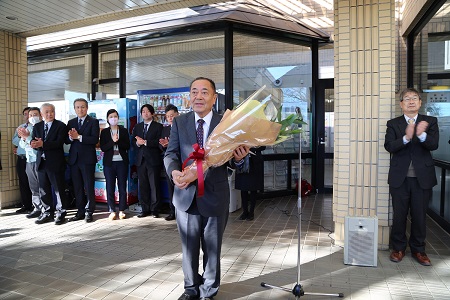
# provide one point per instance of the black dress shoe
(250, 217)
(89, 218)
(242, 217)
(23, 210)
(155, 215)
(170, 217)
(44, 218)
(77, 217)
(34, 214)
(60, 219)
(186, 296)
(143, 214)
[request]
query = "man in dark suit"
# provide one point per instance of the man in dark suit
(146, 136)
(201, 221)
(410, 139)
(171, 112)
(48, 140)
(83, 135)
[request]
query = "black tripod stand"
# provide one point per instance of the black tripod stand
(298, 291)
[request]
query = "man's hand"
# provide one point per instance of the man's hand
(36, 143)
(409, 132)
(73, 134)
(140, 141)
(421, 127)
(164, 142)
(240, 152)
(23, 132)
(179, 179)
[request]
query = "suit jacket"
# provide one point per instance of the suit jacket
(53, 146)
(415, 151)
(151, 152)
(216, 198)
(165, 134)
(83, 152)
(107, 145)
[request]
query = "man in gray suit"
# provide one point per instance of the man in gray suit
(201, 220)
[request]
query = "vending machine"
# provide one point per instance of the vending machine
(159, 99)
(127, 109)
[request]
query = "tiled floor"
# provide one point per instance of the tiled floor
(140, 259)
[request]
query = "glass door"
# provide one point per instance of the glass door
(323, 136)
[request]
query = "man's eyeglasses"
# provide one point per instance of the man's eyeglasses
(407, 99)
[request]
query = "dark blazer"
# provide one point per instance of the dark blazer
(83, 152)
(415, 151)
(107, 145)
(151, 152)
(53, 146)
(254, 179)
(165, 134)
(216, 199)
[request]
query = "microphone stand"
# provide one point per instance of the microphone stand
(298, 291)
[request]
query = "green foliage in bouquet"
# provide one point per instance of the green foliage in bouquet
(289, 126)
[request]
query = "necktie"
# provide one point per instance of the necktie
(145, 130)
(45, 131)
(411, 121)
(80, 122)
(200, 132)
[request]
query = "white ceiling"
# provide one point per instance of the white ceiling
(36, 17)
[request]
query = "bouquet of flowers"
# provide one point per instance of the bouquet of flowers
(247, 124)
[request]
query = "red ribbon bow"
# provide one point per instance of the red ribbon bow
(198, 155)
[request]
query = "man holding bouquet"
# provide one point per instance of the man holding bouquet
(201, 220)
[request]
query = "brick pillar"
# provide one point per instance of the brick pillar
(365, 44)
(13, 98)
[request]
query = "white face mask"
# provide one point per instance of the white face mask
(34, 120)
(113, 121)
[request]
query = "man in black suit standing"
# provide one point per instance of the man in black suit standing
(410, 139)
(201, 221)
(171, 112)
(48, 140)
(146, 136)
(83, 137)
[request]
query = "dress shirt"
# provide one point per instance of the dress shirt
(148, 128)
(16, 140)
(421, 137)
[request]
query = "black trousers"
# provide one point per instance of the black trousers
(83, 178)
(246, 197)
(25, 192)
(409, 198)
(149, 187)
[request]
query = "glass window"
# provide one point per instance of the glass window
(163, 65)
(285, 70)
(173, 62)
(56, 78)
(326, 61)
(432, 75)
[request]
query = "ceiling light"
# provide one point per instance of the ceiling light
(12, 18)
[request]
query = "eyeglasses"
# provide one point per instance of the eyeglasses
(407, 99)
